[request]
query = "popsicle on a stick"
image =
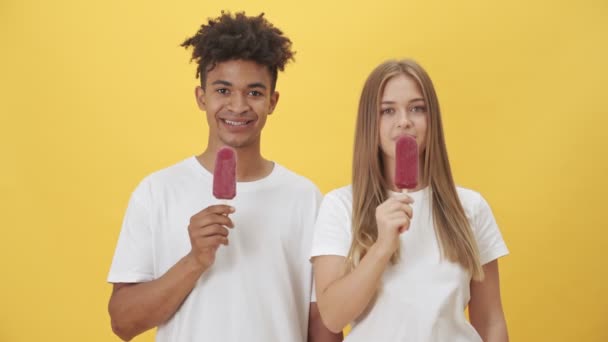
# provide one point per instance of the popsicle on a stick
(224, 174)
(406, 163)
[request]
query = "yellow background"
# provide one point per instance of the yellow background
(97, 94)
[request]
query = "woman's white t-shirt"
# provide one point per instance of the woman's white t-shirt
(422, 297)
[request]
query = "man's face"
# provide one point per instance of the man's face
(237, 99)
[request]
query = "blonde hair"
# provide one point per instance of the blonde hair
(456, 239)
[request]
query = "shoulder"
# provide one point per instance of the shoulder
(471, 200)
(344, 193)
(340, 197)
(487, 234)
(164, 178)
(171, 173)
(476, 209)
(294, 181)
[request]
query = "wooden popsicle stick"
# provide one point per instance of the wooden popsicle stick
(401, 231)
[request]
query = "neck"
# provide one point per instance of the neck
(250, 166)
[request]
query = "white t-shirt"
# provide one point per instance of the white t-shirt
(422, 297)
(259, 287)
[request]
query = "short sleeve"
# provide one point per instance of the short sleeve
(489, 239)
(332, 233)
(133, 257)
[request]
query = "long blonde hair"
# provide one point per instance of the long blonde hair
(369, 186)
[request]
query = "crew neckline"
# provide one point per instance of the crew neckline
(273, 176)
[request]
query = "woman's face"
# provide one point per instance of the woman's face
(403, 111)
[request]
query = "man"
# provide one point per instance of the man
(236, 272)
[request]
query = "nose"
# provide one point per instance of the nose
(238, 103)
(403, 120)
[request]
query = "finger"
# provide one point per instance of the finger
(387, 205)
(405, 226)
(220, 209)
(396, 205)
(211, 241)
(397, 216)
(221, 240)
(212, 219)
(399, 222)
(387, 208)
(215, 229)
(409, 211)
(400, 207)
(196, 231)
(403, 198)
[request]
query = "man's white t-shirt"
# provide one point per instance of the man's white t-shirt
(422, 297)
(259, 288)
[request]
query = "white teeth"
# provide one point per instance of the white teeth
(235, 123)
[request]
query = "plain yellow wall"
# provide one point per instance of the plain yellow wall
(94, 95)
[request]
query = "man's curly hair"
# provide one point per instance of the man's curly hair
(229, 37)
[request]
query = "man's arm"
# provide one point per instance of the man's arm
(317, 331)
(137, 307)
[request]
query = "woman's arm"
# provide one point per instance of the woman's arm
(342, 298)
(485, 307)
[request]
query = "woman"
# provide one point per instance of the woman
(403, 267)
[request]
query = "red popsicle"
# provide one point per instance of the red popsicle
(406, 163)
(224, 174)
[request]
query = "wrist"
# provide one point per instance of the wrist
(193, 264)
(380, 252)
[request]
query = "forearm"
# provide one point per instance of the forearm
(485, 306)
(346, 298)
(493, 332)
(317, 331)
(139, 307)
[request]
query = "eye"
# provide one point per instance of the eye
(418, 109)
(223, 91)
(255, 93)
(389, 110)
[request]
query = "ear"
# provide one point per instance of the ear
(274, 99)
(199, 93)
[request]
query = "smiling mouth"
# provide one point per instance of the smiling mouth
(236, 123)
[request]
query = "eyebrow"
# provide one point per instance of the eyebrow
(228, 84)
(256, 85)
(393, 102)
